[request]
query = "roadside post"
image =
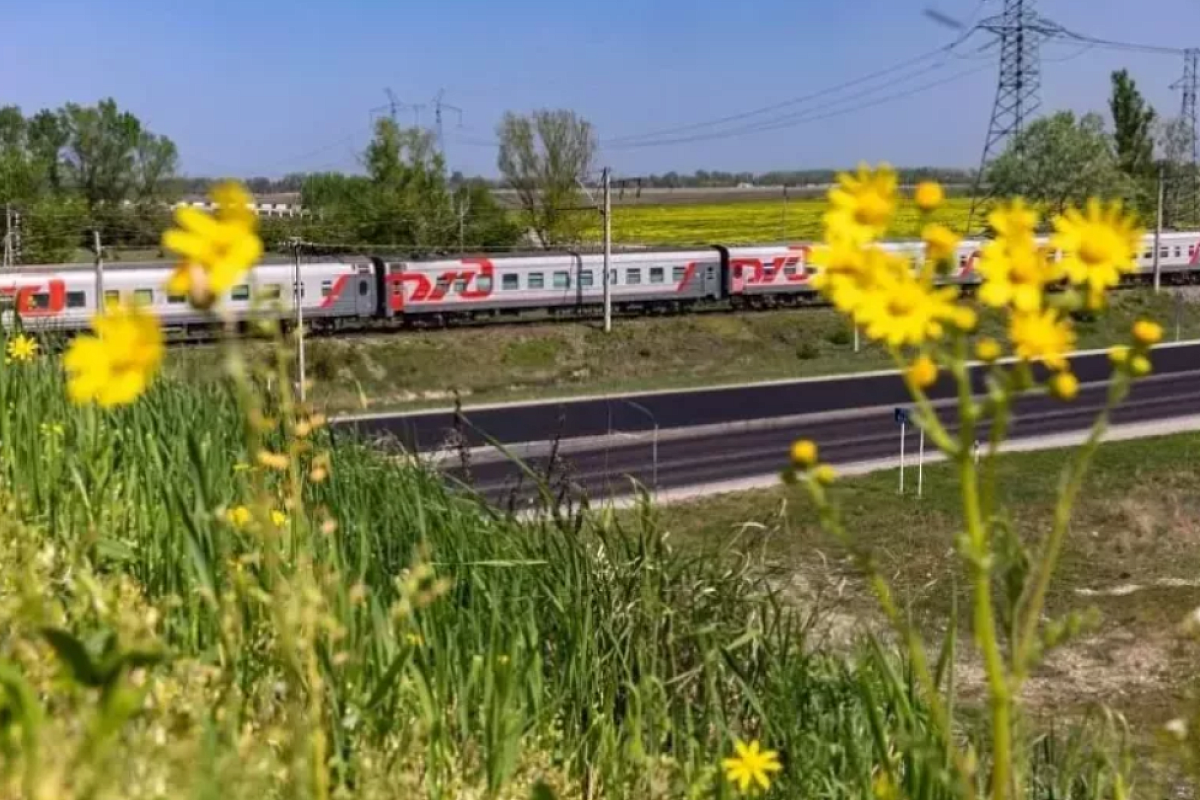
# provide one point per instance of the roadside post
(901, 417)
(921, 465)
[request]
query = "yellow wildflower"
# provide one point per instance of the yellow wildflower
(238, 516)
(1097, 246)
(414, 639)
(940, 242)
(216, 251)
(923, 372)
(1147, 333)
(1015, 272)
(824, 474)
(1139, 365)
(278, 518)
(843, 271)
(1014, 221)
(114, 366)
(751, 765)
(863, 204)
(22, 348)
(804, 453)
(988, 350)
(1064, 386)
(277, 461)
(1042, 335)
(929, 195)
(234, 204)
(901, 310)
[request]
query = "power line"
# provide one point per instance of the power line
(789, 102)
(811, 115)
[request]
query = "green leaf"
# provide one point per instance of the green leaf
(74, 656)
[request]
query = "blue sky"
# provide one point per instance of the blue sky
(268, 87)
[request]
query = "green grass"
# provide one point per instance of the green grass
(409, 369)
(1130, 558)
(392, 639)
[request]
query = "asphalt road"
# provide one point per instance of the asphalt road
(428, 431)
(724, 455)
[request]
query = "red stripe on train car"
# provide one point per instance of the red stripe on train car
(688, 272)
(335, 291)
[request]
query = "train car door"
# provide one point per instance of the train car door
(364, 296)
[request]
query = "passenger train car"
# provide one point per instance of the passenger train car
(374, 291)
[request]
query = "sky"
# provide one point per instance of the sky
(266, 87)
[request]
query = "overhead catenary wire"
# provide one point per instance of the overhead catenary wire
(792, 101)
(792, 120)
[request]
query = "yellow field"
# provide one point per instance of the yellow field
(750, 223)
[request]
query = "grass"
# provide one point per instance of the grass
(410, 369)
(391, 639)
(1130, 561)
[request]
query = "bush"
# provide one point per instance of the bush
(807, 350)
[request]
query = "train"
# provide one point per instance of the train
(376, 291)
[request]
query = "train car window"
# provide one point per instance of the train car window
(633, 276)
(76, 299)
(562, 280)
(363, 288)
(460, 285)
(1147, 255)
(1178, 252)
(586, 279)
(241, 292)
(111, 296)
(143, 296)
(176, 299)
(1164, 251)
(326, 288)
(510, 282)
(537, 280)
(612, 277)
(39, 300)
(657, 275)
(483, 283)
(677, 273)
(270, 291)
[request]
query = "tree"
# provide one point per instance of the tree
(100, 151)
(155, 160)
(1058, 161)
(1133, 127)
(543, 157)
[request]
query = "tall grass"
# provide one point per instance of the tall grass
(394, 639)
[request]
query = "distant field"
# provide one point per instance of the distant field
(750, 222)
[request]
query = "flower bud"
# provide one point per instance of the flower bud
(1147, 333)
(929, 195)
(988, 350)
(804, 453)
(1064, 386)
(923, 372)
(825, 474)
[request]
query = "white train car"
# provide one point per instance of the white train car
(558, 282)
(65, 297)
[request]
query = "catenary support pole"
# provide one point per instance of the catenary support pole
(607, 250)
(1158, 234)
(298, 299)
(99, 271)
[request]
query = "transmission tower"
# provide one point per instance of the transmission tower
(1187, 112)
(1019, 31)
(438, 105)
